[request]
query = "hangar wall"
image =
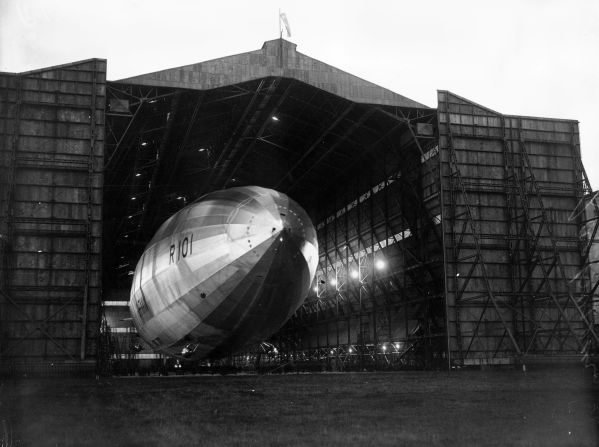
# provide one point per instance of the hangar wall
(52, 123)
(516, 249)
(480, 219)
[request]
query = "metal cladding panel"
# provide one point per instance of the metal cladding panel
(52, 123)
(513, 258)
(277, 58)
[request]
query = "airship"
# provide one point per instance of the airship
(223, 273)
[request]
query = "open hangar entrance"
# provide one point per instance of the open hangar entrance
(452, 236)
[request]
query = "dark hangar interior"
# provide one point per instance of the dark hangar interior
(449, 236)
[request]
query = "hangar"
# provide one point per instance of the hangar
(450, 236)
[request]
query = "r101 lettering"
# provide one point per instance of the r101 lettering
(181, 249)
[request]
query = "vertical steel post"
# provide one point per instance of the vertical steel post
(89, 224)
(373, 279)
(9, 206)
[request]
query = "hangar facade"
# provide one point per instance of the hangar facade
(449, 236)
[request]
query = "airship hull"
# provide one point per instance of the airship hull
(223, 273)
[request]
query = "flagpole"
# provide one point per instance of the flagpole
(280, 40)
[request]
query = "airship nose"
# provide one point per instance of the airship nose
(227, 271)
(297, 228)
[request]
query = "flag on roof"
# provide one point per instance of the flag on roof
(283, 19)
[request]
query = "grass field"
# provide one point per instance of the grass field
(465, 408)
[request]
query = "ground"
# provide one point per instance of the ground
(459, 408)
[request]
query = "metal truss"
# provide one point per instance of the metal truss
(278, 358)
(358, 306)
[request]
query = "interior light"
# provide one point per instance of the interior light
(354, 274)
(130, 217)
(132, 198)
(351, 350)
(384, 348)
(333, 282)
(274, 118)
(145, 143)
(137, 174)
(380, 264)
(39, 251)
(180, 198)
(201, 149)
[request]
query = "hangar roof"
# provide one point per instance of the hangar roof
(277, 58)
